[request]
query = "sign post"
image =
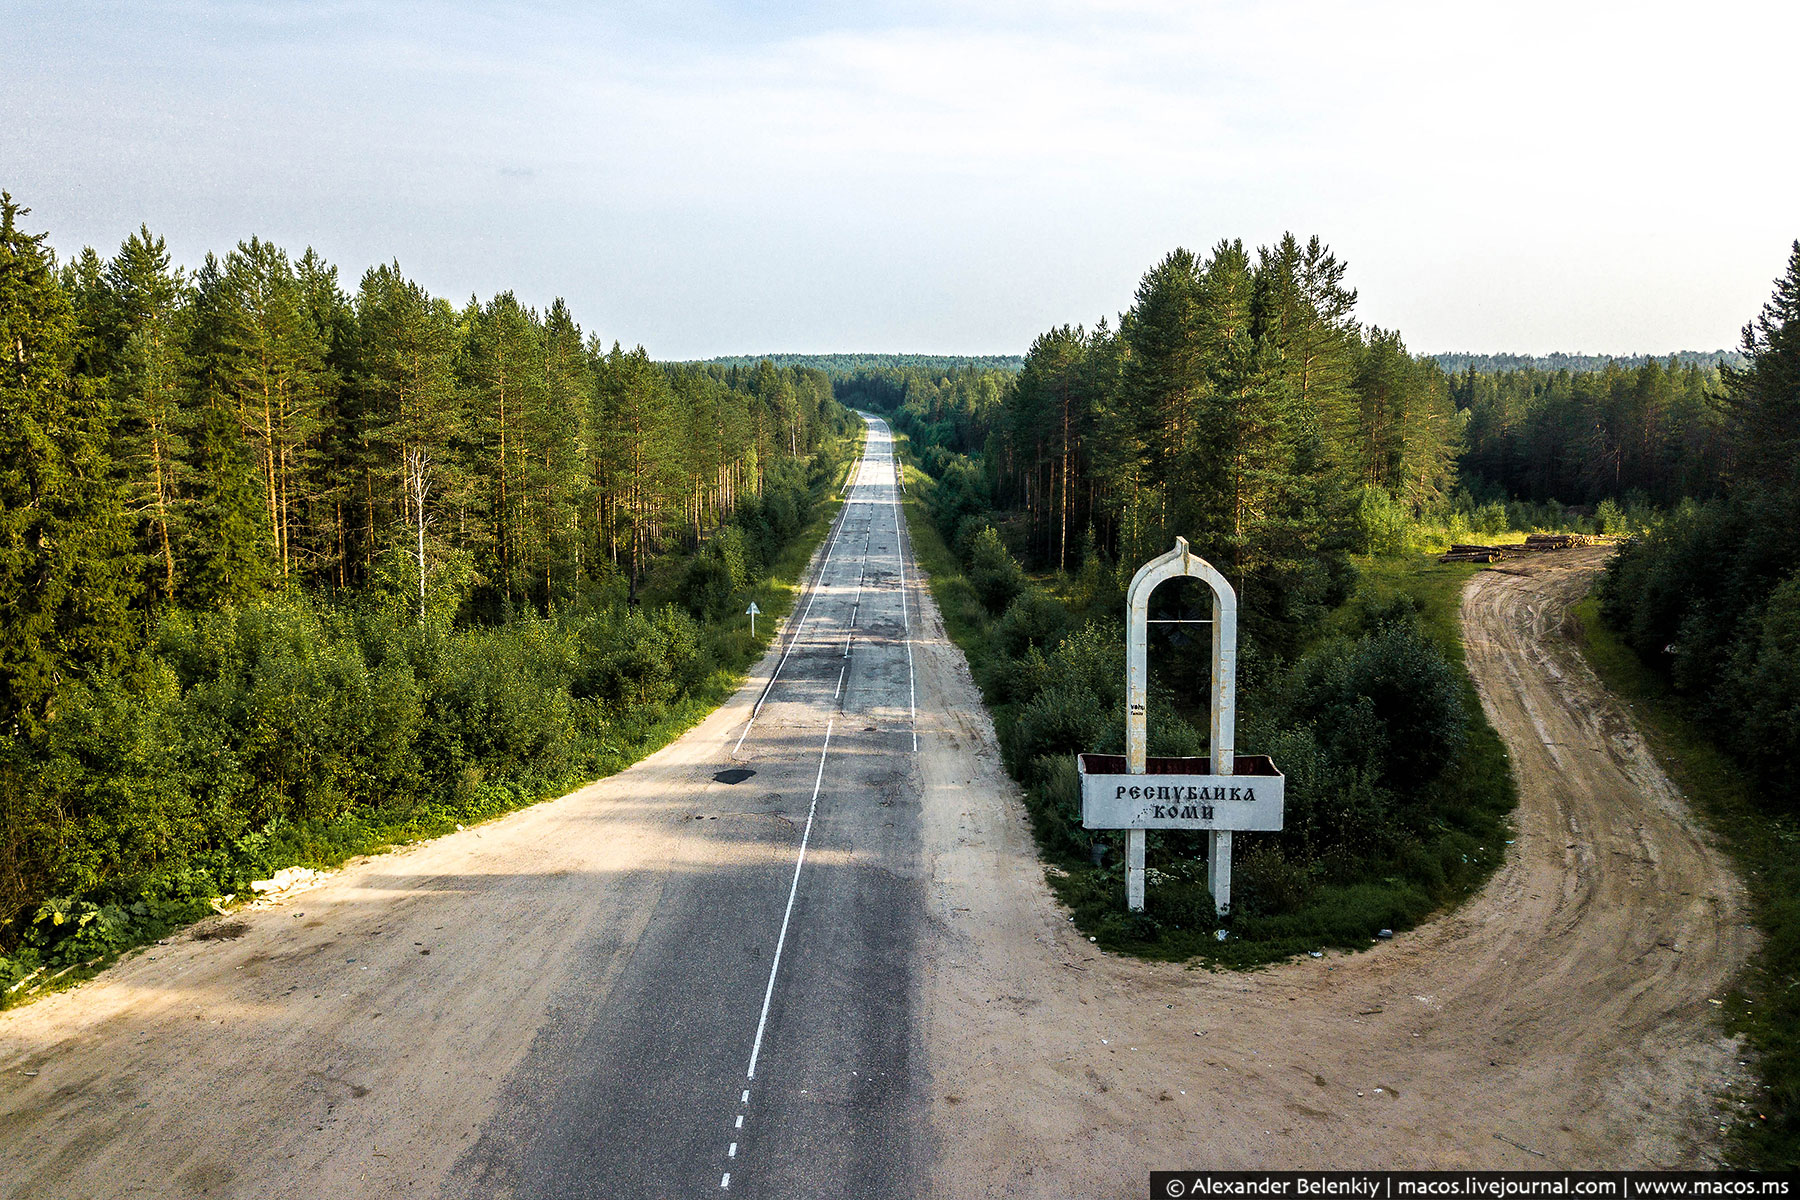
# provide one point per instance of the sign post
(1221, 794)
(751, 613)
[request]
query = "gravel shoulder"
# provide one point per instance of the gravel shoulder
(1563, 1017)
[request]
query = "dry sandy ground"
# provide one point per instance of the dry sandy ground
(1560, 1018)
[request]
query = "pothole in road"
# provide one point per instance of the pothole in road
(733, 775)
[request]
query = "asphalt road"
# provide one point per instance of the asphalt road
(759, 1039)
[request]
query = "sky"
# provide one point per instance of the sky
(714, 178)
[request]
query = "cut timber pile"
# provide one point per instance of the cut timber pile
(1533, 543)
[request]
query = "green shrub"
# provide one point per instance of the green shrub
(959, 494)
(1389, 704)
(1767, 671)
(1378, 523)
(993, 572)
(1034, 620)
(1065, 718)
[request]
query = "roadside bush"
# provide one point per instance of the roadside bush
(716, 575)
(1055, 805)
(706, 589)
(1609, 517)
(495, 704)
(1265, 882)
(1034, 620)
(1388, 704)
(642, 661)
(959, 494)
(1767, 672)
(1065, 718)
(993, 572)
(1378, 523)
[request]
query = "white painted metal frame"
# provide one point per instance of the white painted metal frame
(1176, 564)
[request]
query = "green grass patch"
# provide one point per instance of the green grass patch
(1765, 1007)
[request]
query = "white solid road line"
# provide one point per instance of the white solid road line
(781, 941)
(824, 753)
(793, 890)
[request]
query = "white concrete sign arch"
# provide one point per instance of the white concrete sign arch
(1221, 793)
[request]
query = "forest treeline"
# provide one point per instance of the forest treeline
(1651, 434)
(1240, 404)
(1710, 601)
(1136, 411)
(836, 365)
(1711, 597)
(290, 569)
(1491, 364)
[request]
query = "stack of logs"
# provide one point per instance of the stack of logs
(1534, 543)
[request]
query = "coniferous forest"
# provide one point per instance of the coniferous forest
(290, 570)
(1240, 404)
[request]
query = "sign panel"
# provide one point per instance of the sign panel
(1181, 793)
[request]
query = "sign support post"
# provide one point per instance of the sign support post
(751, 613)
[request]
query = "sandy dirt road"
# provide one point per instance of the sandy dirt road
(1558, 1019)
(561, 1003)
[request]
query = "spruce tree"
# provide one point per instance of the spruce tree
(225, 551)
(1765, 399)
(1306, 314)
(67, 574)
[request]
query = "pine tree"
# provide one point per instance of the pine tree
(635, 453)
(1306, 313)
(560, 442)
(404, 396)
(326, 479)
(504, 374)
(148, 385)
(1048, 422)
(271, 364)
